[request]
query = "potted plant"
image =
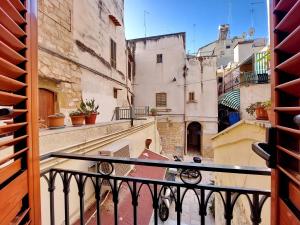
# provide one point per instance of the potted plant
(259, 109)
(268, 107)
(153, 111)
(56, 120)
(77, 118)
(90, 109)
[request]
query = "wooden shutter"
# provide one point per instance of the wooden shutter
(285, 55)
(19, 157)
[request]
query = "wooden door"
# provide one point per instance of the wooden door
(285, 63)
(46, 105)
(19, 156)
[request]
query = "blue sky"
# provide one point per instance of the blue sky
(198, 18)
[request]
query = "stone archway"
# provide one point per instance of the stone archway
(194, 136)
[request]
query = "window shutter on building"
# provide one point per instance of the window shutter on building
(285, 63)
(19, 157)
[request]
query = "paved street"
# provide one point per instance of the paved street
(190, 214)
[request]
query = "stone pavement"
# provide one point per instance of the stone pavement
(190, 210)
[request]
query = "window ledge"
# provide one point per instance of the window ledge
(193, 101)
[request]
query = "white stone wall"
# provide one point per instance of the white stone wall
(243, 51)
(251, 94)
(201, 80)
(152, 77)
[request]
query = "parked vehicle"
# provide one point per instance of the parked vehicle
(168, 193)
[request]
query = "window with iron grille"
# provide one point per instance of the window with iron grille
(113, 53)
(192, 96)
(159, 58)
(161, 99)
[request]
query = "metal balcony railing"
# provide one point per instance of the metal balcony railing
(178, 188)
(245, 78)
(127, 113)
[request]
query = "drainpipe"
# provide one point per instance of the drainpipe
(185, 69)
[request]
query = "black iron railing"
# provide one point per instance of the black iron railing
(127, 113)
(232, 81)
(178, 188)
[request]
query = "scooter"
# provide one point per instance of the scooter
(167, 195)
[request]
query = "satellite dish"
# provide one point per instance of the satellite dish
(251, 32)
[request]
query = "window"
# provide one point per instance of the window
(115, 93)
(113, 53)
(159, 58)
(227, 46)
(192, 96)
(129, 70)
(161, 99)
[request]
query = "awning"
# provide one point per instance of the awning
(231, 99)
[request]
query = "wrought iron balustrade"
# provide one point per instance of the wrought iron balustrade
(178, 188)
(245, 78)
(127, 113)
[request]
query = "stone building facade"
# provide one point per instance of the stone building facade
(183, 90)
(76, 59)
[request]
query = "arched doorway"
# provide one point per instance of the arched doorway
(194, 138)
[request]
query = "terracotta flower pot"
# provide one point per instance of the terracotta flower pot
(269, 112)
(91, 119)
(77, 120)
(56, 121)
(261, 113)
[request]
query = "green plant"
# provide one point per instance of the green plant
(251, 108)
(267, 104)
(75, 113)
(57, 115)
(153, 111)
(88, 107)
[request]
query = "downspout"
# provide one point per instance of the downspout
(184, 108)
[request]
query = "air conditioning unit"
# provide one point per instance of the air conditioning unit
(117, 149)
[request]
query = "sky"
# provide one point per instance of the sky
(198, 18)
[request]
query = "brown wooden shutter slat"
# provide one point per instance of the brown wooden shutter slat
(289, 110)
(20, 217)
(8, 38)
(291, 20)
(10, 55)
(11, 128)
(12, 194)
(289, 152)
(15, 114)
(9, 8)
(19, 192)
(8, 99)
(291, 43)
(285, 6)
(291, 87)
(7, 22)
(291, 66)
(9, 170)
(289, 130)
(18, 5)
(294, 176)
(11, 142)
(8, 84)
(12, 156)
(285, 77)
(10, 70)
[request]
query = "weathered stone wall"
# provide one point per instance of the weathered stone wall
(172, 136)
(55, 34)
(74, 54)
